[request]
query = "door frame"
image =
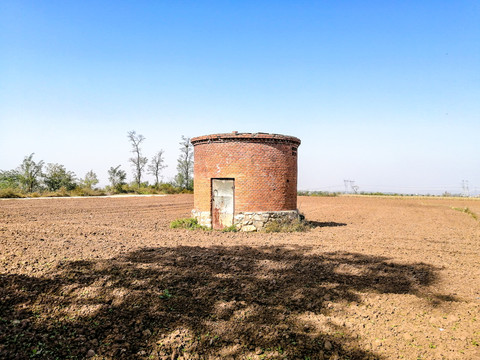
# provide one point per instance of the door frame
(211, 197)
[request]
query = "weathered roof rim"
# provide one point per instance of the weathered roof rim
(245, 136)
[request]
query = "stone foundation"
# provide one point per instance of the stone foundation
(204, 218)
(249, 221)
(256, 221)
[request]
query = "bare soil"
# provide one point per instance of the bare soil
(106, 278)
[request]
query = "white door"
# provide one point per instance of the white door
(222, 202)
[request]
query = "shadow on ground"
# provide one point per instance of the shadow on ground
(195, 303)
(315, 224)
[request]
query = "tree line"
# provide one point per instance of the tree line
(36, 178)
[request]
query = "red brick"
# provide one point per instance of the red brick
(264, 167)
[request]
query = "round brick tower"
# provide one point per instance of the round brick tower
(244, 179)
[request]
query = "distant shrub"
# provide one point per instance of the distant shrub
(80, 190)
(448, 194)
(10, 179)
(112, 190)
(189, 223)
(379, 193)
(10, 193)
(168, 188)
(317, 193)
(124, 189)
(62, 192)
(145, 189)
(85, 191)
(142, 190)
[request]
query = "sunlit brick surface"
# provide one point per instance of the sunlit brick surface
(264, 167)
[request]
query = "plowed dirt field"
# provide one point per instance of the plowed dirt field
(106, 278)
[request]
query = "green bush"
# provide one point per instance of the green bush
(142, 190)
(231, 228)
(190, 224)
(10, 179)
(168, 188)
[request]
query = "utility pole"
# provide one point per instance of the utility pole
(350, 184)
(354, 187)
(466, 191)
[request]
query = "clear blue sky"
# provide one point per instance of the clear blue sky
(386, 93)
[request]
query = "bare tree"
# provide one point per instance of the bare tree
(184, 178)
(156, 166)
(138, 161)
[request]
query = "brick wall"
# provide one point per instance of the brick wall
(264, 167)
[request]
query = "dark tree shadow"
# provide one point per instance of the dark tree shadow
(315, 224)
(195, 303)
